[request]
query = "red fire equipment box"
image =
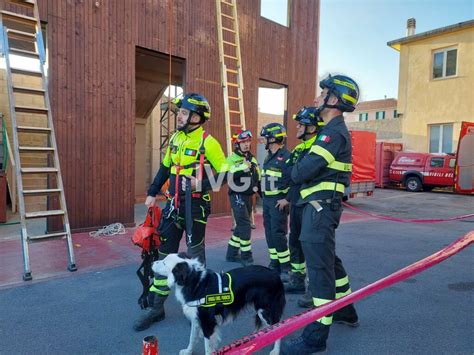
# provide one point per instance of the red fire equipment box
(384, 155)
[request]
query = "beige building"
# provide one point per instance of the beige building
(436, 86)
(385, 109)
(379, 116)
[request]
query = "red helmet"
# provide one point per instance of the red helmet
(242, 136)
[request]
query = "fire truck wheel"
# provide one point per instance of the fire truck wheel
(413, 184)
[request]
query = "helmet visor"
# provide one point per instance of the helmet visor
(244, 136)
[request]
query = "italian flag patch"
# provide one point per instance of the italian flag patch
(190, 152)
(324, 138)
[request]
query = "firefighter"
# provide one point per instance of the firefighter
(189, 150)
(243, 183)
(275, 183)
(308, 124)
(324, 174)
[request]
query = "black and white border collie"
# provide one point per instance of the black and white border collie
(255, 286)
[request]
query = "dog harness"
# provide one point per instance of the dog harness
(211, 298)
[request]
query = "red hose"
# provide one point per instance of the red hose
(269, 335)
(394, 219)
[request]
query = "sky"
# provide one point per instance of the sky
(354, 36)
(353, 40)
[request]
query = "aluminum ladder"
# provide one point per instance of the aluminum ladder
(21, 37)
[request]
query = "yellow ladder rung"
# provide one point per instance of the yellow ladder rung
(232, 111)
(227, 3)
(227, 16)
(230, 56)
(233, 98)
(234, 85)
(235, 125)
(228, 29)
(229, 43)
(232, 71)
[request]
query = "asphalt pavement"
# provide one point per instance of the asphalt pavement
(431, 313)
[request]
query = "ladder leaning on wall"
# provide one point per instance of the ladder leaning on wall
(231, 68)
(21, 36)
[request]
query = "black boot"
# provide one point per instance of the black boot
(274, 265)
(307, 300)
(232, 254)
(296, 283)
(285, 269)
(246, 258)
(313, 340)
(152, 315)
(347, 316)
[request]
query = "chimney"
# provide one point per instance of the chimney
(411, 26)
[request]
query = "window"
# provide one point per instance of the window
(437, 162)
(394, 113)
(276, 11)
(445, 63)
(441, 138)
(380, 115)
(272, 103)
(363, 116)
(272, 107)
(452, 163)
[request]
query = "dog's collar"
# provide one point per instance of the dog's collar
(225, 295)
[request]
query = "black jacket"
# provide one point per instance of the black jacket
(297, 154)
(276, 168)
(328, 161)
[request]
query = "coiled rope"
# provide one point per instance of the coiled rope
(110, 230)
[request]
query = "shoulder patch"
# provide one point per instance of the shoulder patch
(190, 152)
(324, 138)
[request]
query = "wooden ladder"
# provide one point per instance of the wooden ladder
(34, 143)
(231, 68)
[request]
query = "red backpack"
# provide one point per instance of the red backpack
(146, 237)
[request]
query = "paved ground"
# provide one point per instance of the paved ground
(91, 311)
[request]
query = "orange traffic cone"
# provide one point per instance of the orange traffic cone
(150, 345)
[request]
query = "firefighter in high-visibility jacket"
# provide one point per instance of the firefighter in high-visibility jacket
(275, 185)
(308, 124)
(189, 157)
(243, 181)
(324, 174)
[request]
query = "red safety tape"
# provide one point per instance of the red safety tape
(269, 335)
(394, 219)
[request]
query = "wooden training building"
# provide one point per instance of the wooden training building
(109, 65)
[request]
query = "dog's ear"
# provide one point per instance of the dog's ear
(181, 272)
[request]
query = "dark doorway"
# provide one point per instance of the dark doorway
(154, 123)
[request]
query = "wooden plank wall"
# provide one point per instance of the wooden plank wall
(92, 83)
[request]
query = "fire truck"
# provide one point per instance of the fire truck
(423, 171)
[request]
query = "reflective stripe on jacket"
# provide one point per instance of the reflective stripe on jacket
(242, 174)
(276, 169)
(183, 155)
(326, 170)
(296, 155)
